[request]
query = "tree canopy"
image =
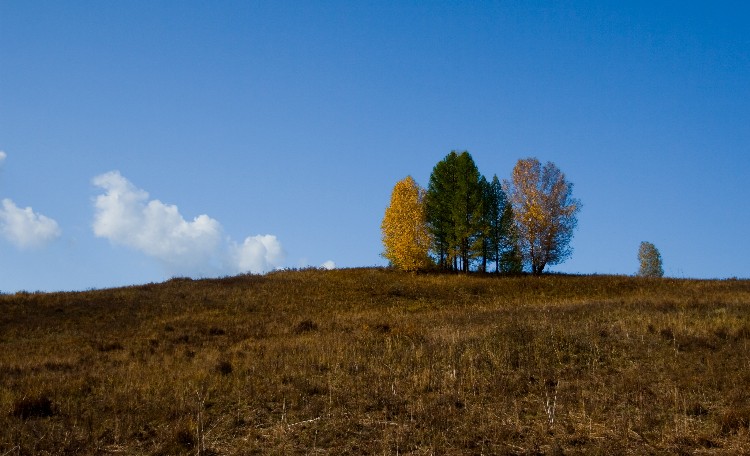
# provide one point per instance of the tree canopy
(499, 243)
(650, 261)
(406, 240)
(455, 211)
(544, 212)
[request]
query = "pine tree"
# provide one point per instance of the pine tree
(454, 211)
(467, 210)
(406, 240)
(650, 261)
(495, 232)
(439, 205)
(510, 259)
(490, 219)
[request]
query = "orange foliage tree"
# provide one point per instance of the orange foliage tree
(406, 240)
(544, 212)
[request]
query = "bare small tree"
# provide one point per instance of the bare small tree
(650, 261)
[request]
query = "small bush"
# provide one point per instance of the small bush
(33, 407)
(735, 419)
(305, 326)
(109, 346)
(185, 439)
(382, 328)
(224, 368)
(697, 410)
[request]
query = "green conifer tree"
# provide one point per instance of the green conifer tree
(438, 205)
(454, 210)
(511, 257)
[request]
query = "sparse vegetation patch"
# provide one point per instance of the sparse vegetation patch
(375, 361)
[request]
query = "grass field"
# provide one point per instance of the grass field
(372, 361)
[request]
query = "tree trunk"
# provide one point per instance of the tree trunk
(485, 252)
(466, 255)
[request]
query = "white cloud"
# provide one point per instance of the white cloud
(258, 254)
(25, 228)
(125, 215)
(328, 265)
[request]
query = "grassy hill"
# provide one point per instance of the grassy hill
(372, 361)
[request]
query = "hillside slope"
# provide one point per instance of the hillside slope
(365, 361)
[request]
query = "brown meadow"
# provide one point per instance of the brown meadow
(373, 361)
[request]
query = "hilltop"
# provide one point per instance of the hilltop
(364, 361)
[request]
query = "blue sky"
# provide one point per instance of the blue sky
(144, 140)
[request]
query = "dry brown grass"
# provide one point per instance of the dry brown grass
(371, 361)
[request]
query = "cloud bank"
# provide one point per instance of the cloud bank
(126, 216)
(23, 227)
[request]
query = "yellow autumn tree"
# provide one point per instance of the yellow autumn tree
(406, 240)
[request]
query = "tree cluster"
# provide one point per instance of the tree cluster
(462, 221)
